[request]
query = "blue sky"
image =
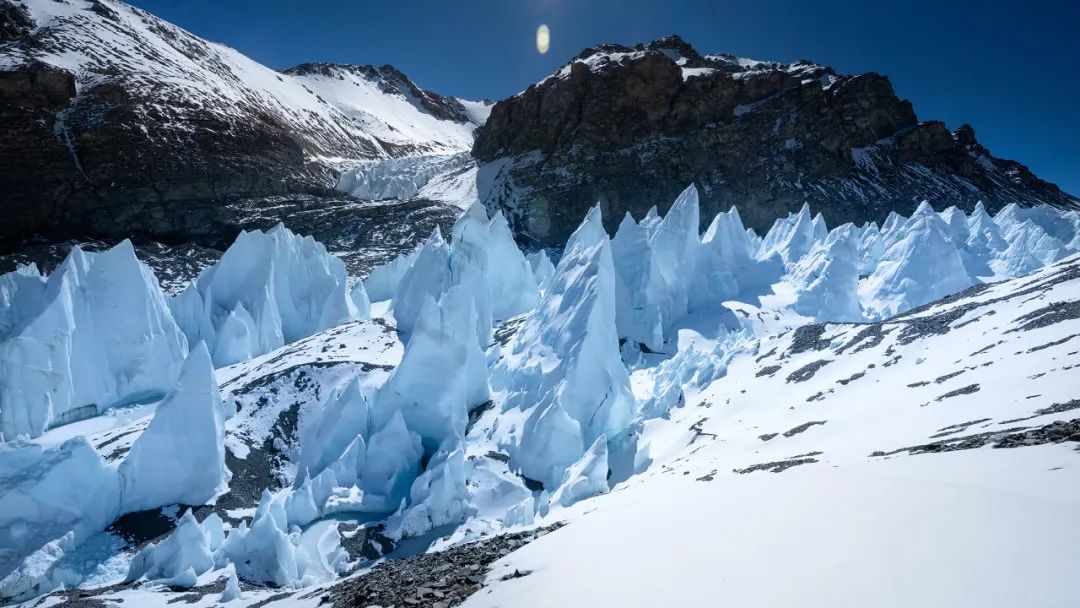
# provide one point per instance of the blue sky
(1007, 68)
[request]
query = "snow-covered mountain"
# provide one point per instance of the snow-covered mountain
(115, 122)
(742, 400)
(630, 126)
(674, 407)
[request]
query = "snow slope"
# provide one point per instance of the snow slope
(800, 465)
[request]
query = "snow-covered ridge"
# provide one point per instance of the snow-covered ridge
(606, 56)
(494, 390)
(388, 105)
(337, 115)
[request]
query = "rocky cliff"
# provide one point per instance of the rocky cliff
(630, 127)
(116, 123)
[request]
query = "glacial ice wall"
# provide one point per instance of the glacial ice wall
(94, 334)
(267, 290)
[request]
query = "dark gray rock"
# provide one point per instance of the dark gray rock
(445, 578)
(632, 132)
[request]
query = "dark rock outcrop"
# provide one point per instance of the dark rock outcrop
(114, 123)
(630, 127)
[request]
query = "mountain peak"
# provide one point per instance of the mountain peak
(639, 122)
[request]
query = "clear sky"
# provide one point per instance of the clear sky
(1008, 68)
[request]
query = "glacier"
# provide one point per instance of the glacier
(481, 255)
(524, 388)
(268, 289)
(95, 334)
(180, 457)
(562, 369)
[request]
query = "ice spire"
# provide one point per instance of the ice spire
(180, 457)
(428, 276)
(289, 286)
(825, 281)
(442, 374)
(97, 333)
(562, 369)
(921, 267)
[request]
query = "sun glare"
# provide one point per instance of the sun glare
(543, 39)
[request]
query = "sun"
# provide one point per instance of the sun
(543, 39)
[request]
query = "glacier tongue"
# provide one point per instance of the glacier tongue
(562, 370)
(180, 457)
(267, 290)
(97, 333)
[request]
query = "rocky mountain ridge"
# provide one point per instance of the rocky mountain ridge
(116, 123)
(631, 126)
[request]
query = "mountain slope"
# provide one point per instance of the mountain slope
(115, 122)
(631, 126)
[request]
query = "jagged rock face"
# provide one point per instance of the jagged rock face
(116, 123)
(630, 127)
